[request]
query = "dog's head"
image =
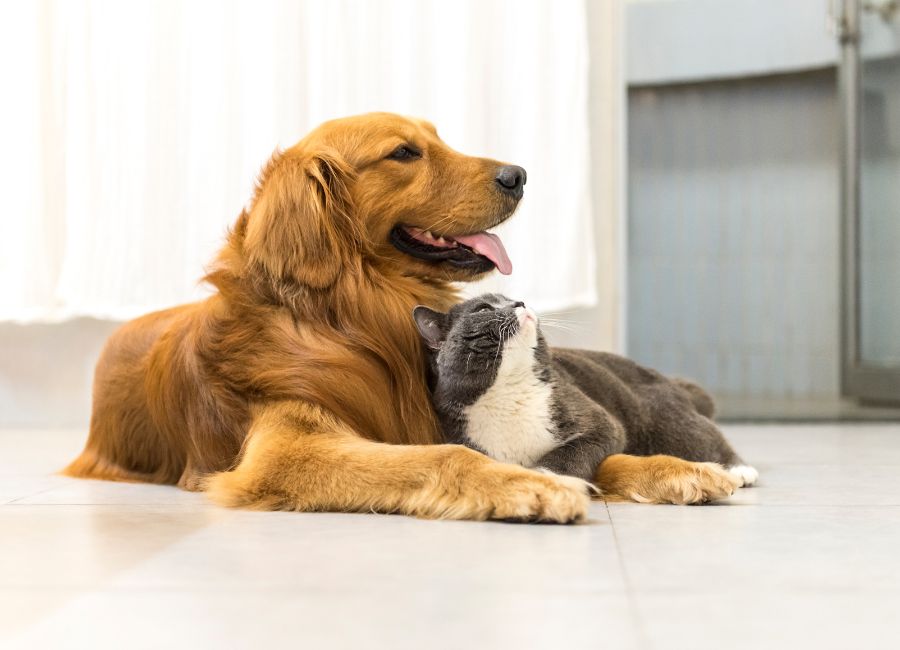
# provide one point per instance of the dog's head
(384, 188)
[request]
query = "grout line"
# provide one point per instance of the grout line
(634, 610)
(798, 504)
(28, 496)
(119, 504)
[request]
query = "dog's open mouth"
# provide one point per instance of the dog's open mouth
(479, 252)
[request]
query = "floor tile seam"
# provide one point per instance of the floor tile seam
(32, 495)
(637, 621)
(209, 506)
(800, 505)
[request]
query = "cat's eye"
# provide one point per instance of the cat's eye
(484, 307)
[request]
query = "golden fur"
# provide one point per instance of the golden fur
(663, 479)
(300, 383)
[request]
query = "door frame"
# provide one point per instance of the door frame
(858, 379)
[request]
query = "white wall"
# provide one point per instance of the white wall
(603, 327)
(46, 370)
(673, 41)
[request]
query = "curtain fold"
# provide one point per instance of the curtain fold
(137, 129)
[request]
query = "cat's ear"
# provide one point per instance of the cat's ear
(432, 326)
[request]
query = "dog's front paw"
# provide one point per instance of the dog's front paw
(682, 482)
(710, 482)
(526, 495)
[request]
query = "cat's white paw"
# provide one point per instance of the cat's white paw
(745, 473)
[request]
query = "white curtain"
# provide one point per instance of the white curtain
(132, 131)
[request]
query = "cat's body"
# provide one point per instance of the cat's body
(498, 387)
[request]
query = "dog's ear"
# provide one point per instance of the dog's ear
(432, 326)
(301, 226)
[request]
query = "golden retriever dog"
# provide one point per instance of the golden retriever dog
(300, 384)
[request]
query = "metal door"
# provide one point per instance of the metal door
(869, 32)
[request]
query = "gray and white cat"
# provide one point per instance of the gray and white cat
(497, 387)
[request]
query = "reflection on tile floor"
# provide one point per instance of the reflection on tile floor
(807, 559)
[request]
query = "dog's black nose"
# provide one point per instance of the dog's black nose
(511, 179)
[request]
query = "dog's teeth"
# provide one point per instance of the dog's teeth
(441, 241)
(428, 235)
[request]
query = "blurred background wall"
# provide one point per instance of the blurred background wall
(713, 133)
(733, 233)
(734, 219)
(733, 222)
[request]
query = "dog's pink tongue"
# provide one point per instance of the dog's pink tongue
(489, 245)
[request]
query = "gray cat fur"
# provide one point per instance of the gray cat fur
(602, 404)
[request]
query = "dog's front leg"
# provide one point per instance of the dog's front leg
(299, 457)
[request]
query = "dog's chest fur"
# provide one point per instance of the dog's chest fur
(512, 420)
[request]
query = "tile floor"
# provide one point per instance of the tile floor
(810, 558)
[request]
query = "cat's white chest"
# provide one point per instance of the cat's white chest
(512, 421)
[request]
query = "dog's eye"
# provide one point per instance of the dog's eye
(404, 152)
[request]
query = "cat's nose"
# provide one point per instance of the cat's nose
(524, 314)
(519, 304)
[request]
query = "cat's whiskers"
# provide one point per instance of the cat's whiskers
(505, 328)
(561, 324)
(561, 312)
(565, 321)
(499, 343)
(556, 326)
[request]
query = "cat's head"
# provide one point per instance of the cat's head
(467, 344)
